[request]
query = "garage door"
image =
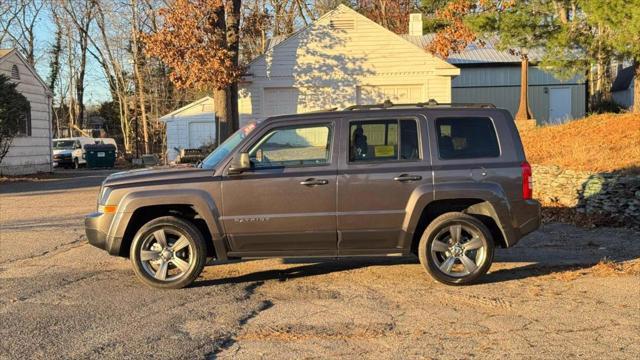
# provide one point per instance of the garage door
(280, 101)
(201, 133)
(396, 93)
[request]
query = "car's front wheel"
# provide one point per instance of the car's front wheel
(168, 253)
(456, 249)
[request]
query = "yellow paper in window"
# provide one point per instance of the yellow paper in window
(384, 151)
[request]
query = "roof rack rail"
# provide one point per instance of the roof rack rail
(431, 103)
(323, 110)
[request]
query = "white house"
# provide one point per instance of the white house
(341, 59)
(30, 151)
(190, 127)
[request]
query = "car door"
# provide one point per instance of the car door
(382, 162)
(286, 203)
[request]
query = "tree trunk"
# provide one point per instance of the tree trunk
(80, 81)
(138, 74)
(636, 87)
(233, 42)
(524, 113)
(222, 100)
(222, 106)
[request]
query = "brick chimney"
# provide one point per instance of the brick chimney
(415, 24)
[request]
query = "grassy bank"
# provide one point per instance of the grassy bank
(599, 143)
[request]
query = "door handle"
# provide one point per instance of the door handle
(314, 182)
(406, 177)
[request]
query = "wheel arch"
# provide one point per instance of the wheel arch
(137, 208)
(487, 203)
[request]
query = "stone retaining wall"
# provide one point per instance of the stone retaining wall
(609, 194)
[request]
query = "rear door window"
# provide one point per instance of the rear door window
(466, 138)
(383, 140)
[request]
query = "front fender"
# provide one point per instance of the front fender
(201, 201)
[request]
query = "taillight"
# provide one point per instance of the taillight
(527, 181)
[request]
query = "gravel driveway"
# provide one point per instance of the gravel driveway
(62, 298)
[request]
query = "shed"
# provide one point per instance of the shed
(30, 151)
(190, 127)
(341, 59)
(622, 87)
(489, 75)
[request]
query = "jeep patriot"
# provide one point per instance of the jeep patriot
(445, 182)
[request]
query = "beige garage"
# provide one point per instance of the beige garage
(395, 93)
(340, 60)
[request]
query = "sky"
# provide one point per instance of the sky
(96, 88)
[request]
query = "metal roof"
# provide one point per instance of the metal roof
(475, 53)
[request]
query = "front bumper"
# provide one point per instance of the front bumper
(66, 160)
(96, 226)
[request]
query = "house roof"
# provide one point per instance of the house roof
(472, 54)
(195, 103)
(4, 54)
(623, 80)
(281, 39)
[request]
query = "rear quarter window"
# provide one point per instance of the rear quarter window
(467, 138)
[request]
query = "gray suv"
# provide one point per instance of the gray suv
(446, 182)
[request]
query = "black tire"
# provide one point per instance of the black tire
(76, 163)
(172, 227)
(470, 228)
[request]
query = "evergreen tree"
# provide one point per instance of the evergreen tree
(13, 110)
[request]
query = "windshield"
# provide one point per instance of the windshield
(63, 144)
(226, 147)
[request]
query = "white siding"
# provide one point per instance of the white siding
(190, 127)
(180, 130)
(29, 154)
(323, 66)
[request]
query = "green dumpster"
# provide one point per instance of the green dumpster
(100, 156)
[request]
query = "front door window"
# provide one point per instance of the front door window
(293, 146)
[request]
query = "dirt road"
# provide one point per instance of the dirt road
(62, 298)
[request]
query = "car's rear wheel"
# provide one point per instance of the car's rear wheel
(456, 249)
(168, 253)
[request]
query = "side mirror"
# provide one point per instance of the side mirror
(240, 164)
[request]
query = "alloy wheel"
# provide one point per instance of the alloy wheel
(458, 250)
(166, 254)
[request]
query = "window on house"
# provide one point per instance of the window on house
(467, 138)
(15, 73)
(24, 123)
(380, 140)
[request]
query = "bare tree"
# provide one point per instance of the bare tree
(137, 59)
(18, 24)
(81, 13)
(110, 44)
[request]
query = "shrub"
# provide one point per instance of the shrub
(13, 109)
